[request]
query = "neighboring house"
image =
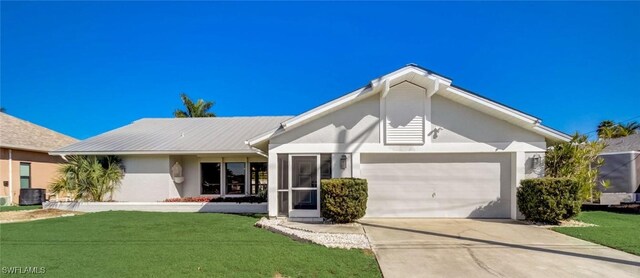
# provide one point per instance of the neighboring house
(621, 164)
(427, 148)
(24, 158)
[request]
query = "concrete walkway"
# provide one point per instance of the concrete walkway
(489, 248)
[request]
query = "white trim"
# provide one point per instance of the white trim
(526, 121)
(624, 152)
(10, 176)
(169, 152)
(427, 148)
(490, 104)
(272, 192)
(544, 130)
(24, 148)
(518, 160)
(375, 86)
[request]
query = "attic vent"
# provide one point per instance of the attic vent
(405, 112)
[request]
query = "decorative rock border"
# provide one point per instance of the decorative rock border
(332, 240)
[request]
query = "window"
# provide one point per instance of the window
(258, 177)
(25, 175)
(210, 178)
(235, 176)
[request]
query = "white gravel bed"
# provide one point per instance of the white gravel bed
(332, 240)
(563, 223)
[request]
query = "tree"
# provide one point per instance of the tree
(199, 109)
(608, 129)
(89, 178)
(577, 159)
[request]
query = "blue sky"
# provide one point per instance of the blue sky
(85, 68)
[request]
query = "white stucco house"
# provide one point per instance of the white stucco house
(427, 148)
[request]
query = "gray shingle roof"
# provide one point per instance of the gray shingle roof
(19, 134)
(178, 135)
(623, 144)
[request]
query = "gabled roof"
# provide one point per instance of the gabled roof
(20, 134)
(623, 144)
(438, 84)
(177, 135)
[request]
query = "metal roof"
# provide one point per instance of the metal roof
(177, 135)
(623, 144)
(19, 134)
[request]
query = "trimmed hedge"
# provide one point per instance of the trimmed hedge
(344, 200)
(549, 200)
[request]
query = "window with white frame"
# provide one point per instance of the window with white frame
(258, 177)
(235, 174)
(210, 178)
(25, 175)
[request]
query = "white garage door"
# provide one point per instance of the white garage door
(438, 185)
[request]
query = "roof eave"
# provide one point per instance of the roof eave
(24, 148)
(160, 152)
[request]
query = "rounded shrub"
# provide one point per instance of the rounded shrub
(549, 200)
(344, 200)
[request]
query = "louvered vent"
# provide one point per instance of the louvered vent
(405, 109)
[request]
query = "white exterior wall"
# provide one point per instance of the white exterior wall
(358, 129)
(533, 169)
(192, 175)
(146, 179)
(356, 124)
(461, 124)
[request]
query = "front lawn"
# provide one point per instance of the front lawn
(14, 208)
(616, 230)
(125, 244)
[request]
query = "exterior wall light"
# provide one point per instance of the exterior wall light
(536, 159)
(343, 162)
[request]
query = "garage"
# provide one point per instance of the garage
(460, 185)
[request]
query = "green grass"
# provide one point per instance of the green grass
(14, 208)
(616, 230)
(125, 244)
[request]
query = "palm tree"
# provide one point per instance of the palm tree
(88, 177)
(629, 128)
(200, 109)
(608, 129)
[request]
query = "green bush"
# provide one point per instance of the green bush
(344, 200)
(549, 200)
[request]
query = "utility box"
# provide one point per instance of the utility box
(32, 196)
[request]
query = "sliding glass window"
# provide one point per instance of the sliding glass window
(235, 176)
(210, 178)
(258, 176)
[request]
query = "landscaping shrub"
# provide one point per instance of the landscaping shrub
(344, 200)
(200, 199)
(549, 200)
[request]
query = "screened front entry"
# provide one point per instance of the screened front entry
(305, 186)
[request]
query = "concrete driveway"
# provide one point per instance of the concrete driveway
(489, 248)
